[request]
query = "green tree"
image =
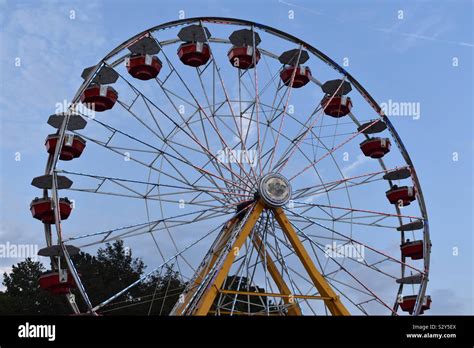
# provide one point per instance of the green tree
(163, 292)
(24, 296)
(111, 270)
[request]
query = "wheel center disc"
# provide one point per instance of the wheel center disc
(274, 189)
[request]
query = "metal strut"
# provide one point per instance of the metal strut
(202, 290)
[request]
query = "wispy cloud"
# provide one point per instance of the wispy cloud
(347, 170)
(449, 301)
(430, 28)
(424, 37)
(50, 47)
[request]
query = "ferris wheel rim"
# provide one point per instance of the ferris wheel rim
(51, 164)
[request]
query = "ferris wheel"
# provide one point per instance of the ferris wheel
(248, 161)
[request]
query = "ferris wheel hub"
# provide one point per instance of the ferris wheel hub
(274, 189)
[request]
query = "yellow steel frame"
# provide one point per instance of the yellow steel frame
(327, 294)
(202, 271)
(334, 303)
(210, 294)
(294, 308)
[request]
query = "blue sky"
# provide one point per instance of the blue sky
(425, 57)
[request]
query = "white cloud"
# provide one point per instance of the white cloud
(347, 170)
(51, 48)
(447, 301)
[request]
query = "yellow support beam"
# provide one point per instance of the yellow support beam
(294, 308)
(330, 298)
(201, 273)
(210, 294)
(272, 294)
(333, 302)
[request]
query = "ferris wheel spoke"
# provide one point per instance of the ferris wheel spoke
(269, 151)
(202, 110)
(184, 218)
(257, 97)
(190, 133)
(371, 266)
(143, 123)
(298, 139)
(120, 182)
(315, 190)
(203, 175)
(208, 214)
(151, 228)
(288, 95)
(280, 259)
(186, 123)
(148, 218)
(311, 291)
(254, 105)
(213, 158)
(344, 295)
(352, 240)
(318, 173)
(289, 151)
(153, 271)
(370, 213)
(326, 187)
(302, 234)
(213, 111)
(330, 152)
(207, 174)
(209, 161)
(275, 249)
(224, 90)
(305, 130)
(259, 93)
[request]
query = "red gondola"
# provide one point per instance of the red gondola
(73, 146)
(302, 75)
(413, 249)
(143, 66)
(99, 97)
(50, 281)
(194, 53)
(401, 195)
(41, 209)
(337, 106)
(242, 57)
(408, 304)
(375, 147)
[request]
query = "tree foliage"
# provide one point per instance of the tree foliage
(111, 270)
